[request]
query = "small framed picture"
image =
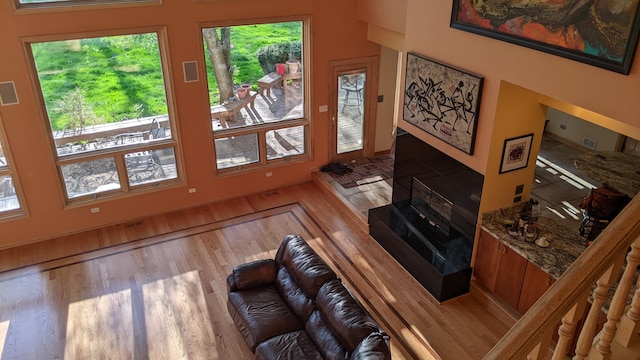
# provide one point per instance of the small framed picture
(515, 154)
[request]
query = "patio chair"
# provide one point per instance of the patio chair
(352, 84)
(155, 131)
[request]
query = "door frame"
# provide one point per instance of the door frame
(370, 66)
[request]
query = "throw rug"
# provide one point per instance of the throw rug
(365, 171)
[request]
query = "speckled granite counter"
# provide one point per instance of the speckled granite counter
(564, 246)
(616, 169)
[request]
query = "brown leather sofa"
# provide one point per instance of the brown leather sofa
(295, 307)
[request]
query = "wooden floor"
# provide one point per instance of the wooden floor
(155, 287)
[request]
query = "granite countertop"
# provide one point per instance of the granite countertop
(616, 169)
(564, 246)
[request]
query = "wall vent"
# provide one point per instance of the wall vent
(190, 69)
(8, 94)
(590, 143)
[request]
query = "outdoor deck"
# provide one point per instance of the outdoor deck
(281, 103)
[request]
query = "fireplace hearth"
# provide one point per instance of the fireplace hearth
(430, 225)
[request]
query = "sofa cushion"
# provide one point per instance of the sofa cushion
(260, 314)
(304, 265)
(294, 345)
(293, 295)
(325, 340)
(343, 315)
(373, 347)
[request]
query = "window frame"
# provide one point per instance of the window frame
(74, 5)
(262, 129)
(117, 153)
(22, 211)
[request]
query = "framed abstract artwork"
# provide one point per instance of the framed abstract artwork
(515, 153)
(599, 33)
(442, 100)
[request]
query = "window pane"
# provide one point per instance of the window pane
(267, 59)
(3, 159)
(103, 92)
(150, 166)
(90, 177)
(236, 151)
(350, 112)
(285, 142)
(8, 197)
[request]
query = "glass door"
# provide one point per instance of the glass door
(351, 111)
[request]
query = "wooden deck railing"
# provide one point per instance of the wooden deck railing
(565, 301)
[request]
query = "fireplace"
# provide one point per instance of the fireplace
(430, 225)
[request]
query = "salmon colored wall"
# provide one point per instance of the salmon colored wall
(384, 13)
(524, 77)
(335, 35)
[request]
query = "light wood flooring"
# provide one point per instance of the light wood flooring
(155, 288)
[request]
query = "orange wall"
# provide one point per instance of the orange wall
(516, 81)
(336, 35)
(386, 14)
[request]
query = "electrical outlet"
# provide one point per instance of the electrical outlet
(192, 190)
(95, 210)
(563, 126)
(269, 174)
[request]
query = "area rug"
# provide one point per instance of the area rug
(366, 171)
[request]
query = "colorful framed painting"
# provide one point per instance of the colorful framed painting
(442, 100)
(515, 153)
(599, 33)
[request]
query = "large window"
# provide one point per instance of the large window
(107, 109)
(256, 76)
(10, 204)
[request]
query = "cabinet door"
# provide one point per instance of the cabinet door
(485, 268)
(511, 271)
(536, 283)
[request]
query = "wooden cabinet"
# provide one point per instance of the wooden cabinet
(536, 282)
(485, 269)
(508, 275)
(510, 278)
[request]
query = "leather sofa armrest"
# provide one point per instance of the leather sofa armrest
(375, 346)
(251, 275)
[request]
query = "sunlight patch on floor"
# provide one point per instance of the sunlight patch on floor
(568, 175)
(571, 210)
(100, 327)
(176, 301)
(556, 212)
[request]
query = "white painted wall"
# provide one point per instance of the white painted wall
(575, 129)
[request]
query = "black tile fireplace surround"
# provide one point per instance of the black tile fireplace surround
(433, 242)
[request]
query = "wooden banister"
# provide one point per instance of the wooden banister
(618, 303)
(611, 244)
(630, 323)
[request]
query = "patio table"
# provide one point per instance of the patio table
(230, 110)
